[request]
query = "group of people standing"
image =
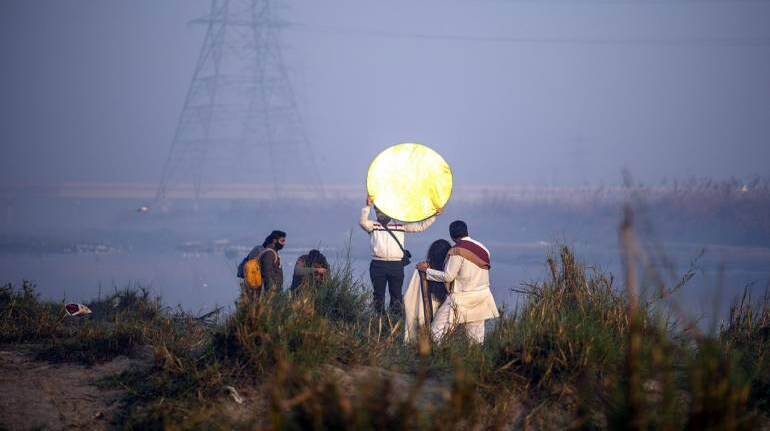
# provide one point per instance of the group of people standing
(457, 275)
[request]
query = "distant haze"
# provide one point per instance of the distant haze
(509, 92)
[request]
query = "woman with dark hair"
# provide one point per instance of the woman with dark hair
(310, 269)
(436, 258)
(413, 310)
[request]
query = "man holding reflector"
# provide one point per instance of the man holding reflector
(406, 182)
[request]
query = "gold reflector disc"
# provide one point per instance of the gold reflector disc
(409, 182)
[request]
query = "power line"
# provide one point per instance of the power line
(612, 2)
(663, 42)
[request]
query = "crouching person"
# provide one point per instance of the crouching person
(470, 303)
(310, 270)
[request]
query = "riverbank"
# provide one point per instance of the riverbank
(572, 356)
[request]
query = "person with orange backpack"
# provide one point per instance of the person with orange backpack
(261, 269)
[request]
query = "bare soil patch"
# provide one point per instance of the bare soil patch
(40, 395)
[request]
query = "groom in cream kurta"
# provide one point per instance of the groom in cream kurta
(470, 301)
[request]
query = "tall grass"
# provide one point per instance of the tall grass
(579, 352)
(24, 318)
(747, 332)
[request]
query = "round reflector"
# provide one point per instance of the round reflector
(409, 182)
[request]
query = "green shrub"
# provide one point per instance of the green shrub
(24, 318)
(561, 360)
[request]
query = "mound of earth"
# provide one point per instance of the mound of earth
(40, 395)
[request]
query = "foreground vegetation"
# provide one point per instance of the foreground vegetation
(581, 352)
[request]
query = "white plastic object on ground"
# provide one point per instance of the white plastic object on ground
(76, 309)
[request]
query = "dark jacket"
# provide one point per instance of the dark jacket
(304, 275)
(272, 271)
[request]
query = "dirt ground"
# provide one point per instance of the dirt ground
(37, 395)
(41, 395)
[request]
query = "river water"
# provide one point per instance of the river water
(189, 259)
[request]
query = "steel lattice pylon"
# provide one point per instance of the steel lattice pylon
(240, 124)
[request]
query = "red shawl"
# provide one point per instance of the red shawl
(473, 252)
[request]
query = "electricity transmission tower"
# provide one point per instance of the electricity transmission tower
(240, 127)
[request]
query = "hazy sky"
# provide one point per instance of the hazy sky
(510, 92)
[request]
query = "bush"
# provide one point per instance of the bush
(24, 318)
(747, 333)
(323, 359)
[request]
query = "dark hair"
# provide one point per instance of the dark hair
(458, 229)
(315, 256)
(381, 215)
(273, 236)
(437, 253)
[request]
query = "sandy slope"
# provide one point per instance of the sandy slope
(40, 395)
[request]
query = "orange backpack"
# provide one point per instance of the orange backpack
(252, 273)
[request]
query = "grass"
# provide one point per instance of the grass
(581, 352)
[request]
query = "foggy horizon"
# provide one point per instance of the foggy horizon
(538, 108)
(510, 93)
(190, 237)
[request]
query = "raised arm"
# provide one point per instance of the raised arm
(449, 273)
(422, 225)
(419, 226)
(364, 221)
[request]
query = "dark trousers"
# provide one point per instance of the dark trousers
(391, 274)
